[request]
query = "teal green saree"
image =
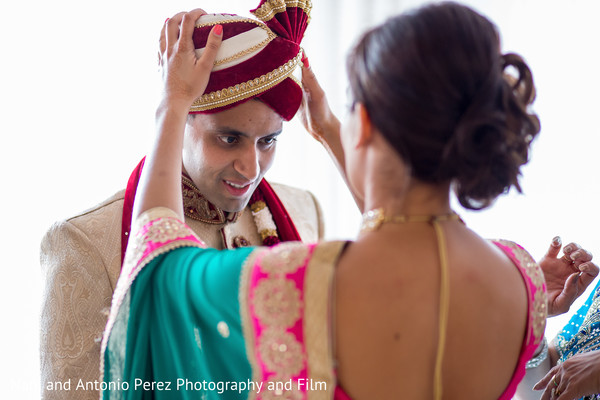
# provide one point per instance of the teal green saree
(194, 323)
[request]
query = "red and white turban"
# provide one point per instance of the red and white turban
(256, 58)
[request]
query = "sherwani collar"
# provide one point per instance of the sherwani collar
(196, 206)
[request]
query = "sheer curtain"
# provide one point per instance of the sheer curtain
(78, 88)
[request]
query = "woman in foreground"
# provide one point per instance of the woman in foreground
(418, 307)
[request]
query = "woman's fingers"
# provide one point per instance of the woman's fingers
(188, 23)
(213, 44)
(172, 31)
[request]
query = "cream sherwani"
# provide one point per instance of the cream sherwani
(81, 262)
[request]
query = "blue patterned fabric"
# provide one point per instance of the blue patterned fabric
(582, 333)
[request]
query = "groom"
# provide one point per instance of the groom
(230, 141)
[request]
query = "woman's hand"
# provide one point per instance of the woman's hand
(184, 75)
(315, 114)
(568, 276)
(577, 377)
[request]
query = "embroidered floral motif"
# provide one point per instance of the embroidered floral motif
(281, 352)
(197, 207)
(286, 349)
(277, 302)
(284, 259)
(271, 310)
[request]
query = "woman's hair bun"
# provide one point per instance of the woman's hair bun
(491, 140)
(436, 86)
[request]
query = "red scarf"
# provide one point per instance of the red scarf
(285, 226)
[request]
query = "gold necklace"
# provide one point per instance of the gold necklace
(373, 219)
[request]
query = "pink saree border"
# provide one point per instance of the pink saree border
(285, 308)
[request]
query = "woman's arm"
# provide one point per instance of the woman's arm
(184, 79)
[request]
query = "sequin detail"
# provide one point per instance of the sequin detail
(223, 329)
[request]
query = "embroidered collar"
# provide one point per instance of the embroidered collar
(196, 206)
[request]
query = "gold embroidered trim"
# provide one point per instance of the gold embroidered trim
(276, 347)
(246, 316)
(317, 324)
(270, 37)
(270, 8)
(284, 258)
(232, 94)
(538, 310)
(197, 207)
(231, 21)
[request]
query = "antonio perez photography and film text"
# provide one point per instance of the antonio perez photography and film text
(301, 384)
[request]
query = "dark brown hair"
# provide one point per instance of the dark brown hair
(435, 85)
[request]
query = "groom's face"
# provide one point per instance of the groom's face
(227, 154)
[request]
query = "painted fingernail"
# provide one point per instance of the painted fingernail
(167, 20)
(556, 241)
(568, 249)
(218, 30)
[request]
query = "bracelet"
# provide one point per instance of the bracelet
(537, 360)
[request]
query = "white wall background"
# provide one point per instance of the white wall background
(77, 96)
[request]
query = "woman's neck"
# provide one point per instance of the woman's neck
(417, 198)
